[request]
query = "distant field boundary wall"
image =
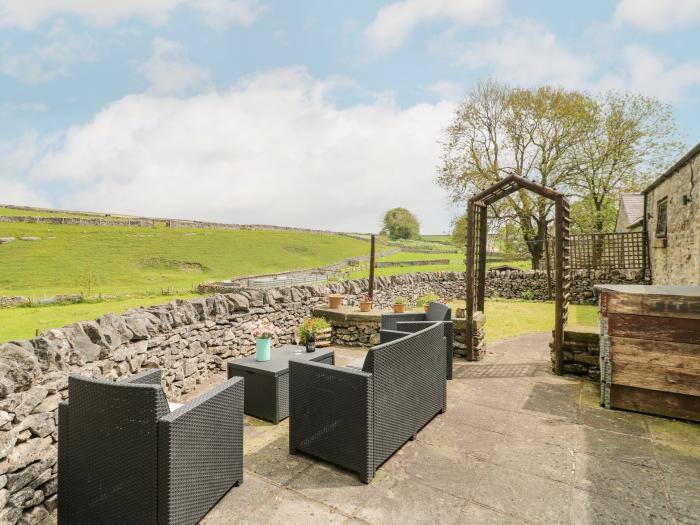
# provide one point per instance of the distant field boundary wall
(79, 221)
(94, 219)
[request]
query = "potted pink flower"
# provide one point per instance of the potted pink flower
(263, 330)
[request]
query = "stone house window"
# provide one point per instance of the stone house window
(661, 218)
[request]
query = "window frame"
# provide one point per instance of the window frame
(659, 204)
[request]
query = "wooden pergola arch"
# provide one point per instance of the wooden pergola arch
(476, 255)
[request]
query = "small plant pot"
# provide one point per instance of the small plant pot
(461, 312)
(426, 306)
(262, 349)
(399, 308)
(365, 306)
(335, 300)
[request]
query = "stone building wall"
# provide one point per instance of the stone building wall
(676, 259)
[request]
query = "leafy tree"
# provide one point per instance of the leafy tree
(498, 131)
(399, 223)
(459, 230)
(628, 141)
(587, 217)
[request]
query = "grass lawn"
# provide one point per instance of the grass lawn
(437, 238)
(456, 264)
(505, 318)
(117, 260)
(23, 323)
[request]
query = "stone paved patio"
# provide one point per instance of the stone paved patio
(517, 445)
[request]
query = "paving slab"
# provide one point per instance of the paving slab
(528, 497)
(516, 445)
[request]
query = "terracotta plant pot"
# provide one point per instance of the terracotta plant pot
(399, 308)
(365, 306)
(425, 307)
(335, 300)
(461, 312)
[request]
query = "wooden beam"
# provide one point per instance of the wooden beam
(469, 279)
(558, 284)
(481, 276)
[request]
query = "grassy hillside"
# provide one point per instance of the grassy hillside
(456, 264)
(109, 260)
(24, 323)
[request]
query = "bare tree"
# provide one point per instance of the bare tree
(498, 131)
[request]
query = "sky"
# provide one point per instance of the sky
(312, 113)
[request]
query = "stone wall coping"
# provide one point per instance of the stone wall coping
(349, 314)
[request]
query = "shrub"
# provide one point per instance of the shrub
(427, 298)
(528, 295)
(399, 300)
(318, 323)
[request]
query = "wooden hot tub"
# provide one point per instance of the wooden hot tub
(650, 349)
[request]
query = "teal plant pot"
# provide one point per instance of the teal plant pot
(262, 349)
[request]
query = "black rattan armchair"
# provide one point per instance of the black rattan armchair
(123, 457)
(396, 325)
(358, 418)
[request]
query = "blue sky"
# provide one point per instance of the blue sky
(246, 111)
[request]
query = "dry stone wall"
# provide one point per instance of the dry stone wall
(188, 340)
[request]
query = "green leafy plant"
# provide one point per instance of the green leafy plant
(528, 295)
(399, 300)
(318, 323)
(427, 298)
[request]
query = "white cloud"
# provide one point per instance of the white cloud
(15, 159)
(395, 22)
(28, 14)
(42, 63)
(526, 53)
(274, 149)
(167, 71)
(658, 15)
(221, 13)
(654, 74)
(446, 90)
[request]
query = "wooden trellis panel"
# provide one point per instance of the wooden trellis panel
(619, 251)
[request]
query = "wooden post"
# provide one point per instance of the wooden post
(481, 282)
(549, 267)
(469, 279)
(559, 284)
(370, 293)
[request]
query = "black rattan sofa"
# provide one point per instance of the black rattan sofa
(358, 418)
(123, 457)
(397, 325)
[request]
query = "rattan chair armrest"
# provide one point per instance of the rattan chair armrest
(200, 452)
(389, 320)
(331, 415)
(385, 336)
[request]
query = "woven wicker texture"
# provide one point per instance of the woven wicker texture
(108, 448)
(415, 326)
(386, 336)
(358, 419)
(200, 453)
(331, 415)
(408, 376)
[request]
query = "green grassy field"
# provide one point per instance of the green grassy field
(456, 264)
(509, 318)
(437, 238)
(116, 260)
(24, 322)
